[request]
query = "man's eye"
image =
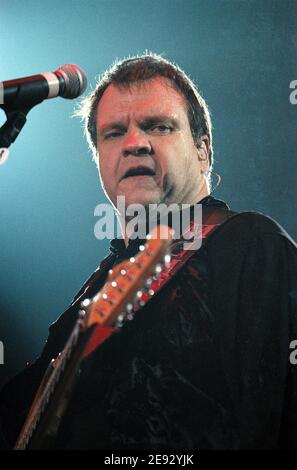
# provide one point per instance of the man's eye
(113, 135)
(162, 129)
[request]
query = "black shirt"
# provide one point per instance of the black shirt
(204, 365)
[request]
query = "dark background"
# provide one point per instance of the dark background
(241, 54)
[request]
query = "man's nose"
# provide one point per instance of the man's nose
(137, 144)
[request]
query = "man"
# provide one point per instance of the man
(205, 363)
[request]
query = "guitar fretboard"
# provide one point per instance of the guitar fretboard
(44, 400)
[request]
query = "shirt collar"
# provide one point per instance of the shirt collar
(118, 247)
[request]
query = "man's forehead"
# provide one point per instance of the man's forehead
(152, 97)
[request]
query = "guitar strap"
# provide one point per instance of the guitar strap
(212, 219)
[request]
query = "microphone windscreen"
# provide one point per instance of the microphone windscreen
(75, 80)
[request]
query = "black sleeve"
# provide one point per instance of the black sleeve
(253, 265)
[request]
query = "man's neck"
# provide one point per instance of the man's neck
(144, 226)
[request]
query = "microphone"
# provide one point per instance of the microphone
(18, 96)
(68, 81)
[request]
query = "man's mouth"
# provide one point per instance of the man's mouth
(138, 171)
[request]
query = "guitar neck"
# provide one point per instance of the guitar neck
(42, 423)
(109, 308)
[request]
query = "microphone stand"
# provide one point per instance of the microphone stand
(16, 119)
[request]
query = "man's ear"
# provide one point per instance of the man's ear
(203, 152)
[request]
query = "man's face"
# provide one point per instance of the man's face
(146, 149)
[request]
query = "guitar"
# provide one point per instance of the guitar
(100, 316)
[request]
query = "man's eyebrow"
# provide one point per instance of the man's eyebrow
(157, 119)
